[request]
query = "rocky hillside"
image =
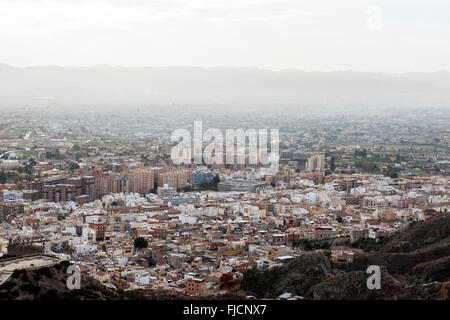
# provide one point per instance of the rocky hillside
(297, 276)
(420, 254)
(415, 264)
(50, 283)
(352, 285)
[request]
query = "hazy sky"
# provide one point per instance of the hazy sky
(325, 35)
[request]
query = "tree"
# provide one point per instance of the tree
(65, 247)
(332, 164)
(339, 219)
(140, 243)
(364, 153)
(73, 166)
(215, 181)
(58, 155)
(31, 162)
(3, 177)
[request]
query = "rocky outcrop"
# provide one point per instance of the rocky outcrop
(415, 264)
(434, 270)
(420, 234)
(353, 285)
(295, 277)
(50, 283)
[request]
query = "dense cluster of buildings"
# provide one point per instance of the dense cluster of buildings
(86, 187)
(201, 242)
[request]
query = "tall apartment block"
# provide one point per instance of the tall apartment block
(316, 163)
(81, 189)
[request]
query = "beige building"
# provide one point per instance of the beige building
(316, 163)
(141, 180)
(176, 179)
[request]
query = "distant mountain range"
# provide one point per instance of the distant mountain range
(233, 87)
